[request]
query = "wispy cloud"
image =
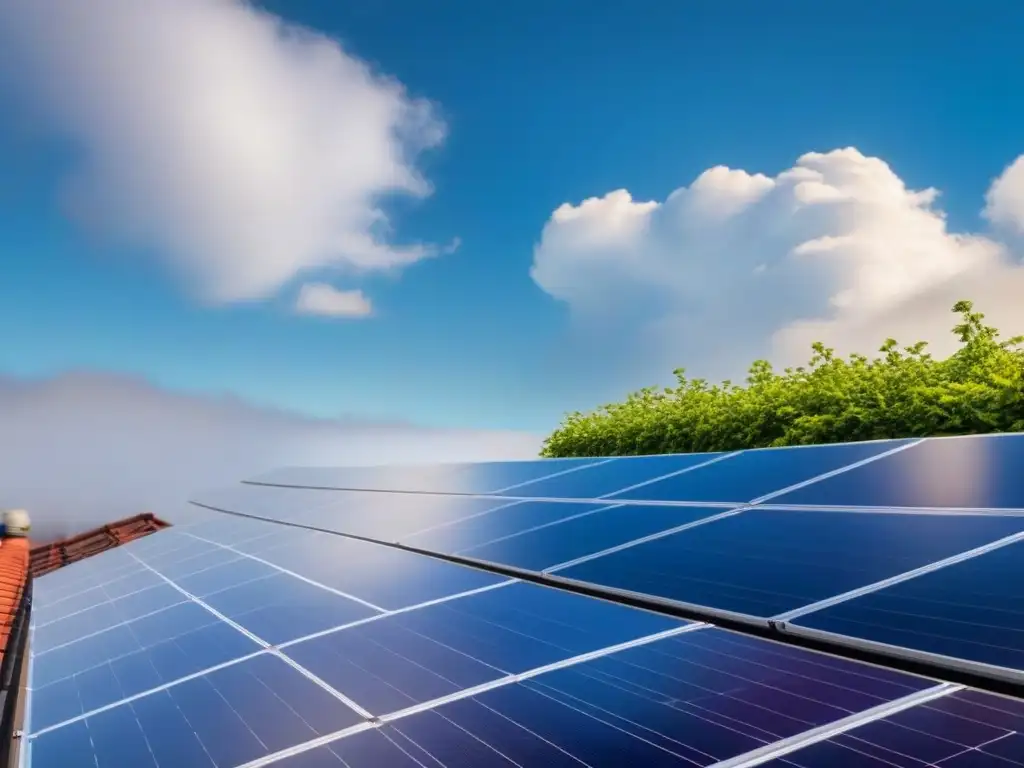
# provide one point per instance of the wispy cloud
(323, 299)
(82, 449)
(243, 150)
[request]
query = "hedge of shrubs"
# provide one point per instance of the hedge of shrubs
(903, 393)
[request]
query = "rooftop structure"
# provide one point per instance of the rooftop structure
(50, 557)
(853, 604)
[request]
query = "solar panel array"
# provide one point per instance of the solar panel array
(349, 636)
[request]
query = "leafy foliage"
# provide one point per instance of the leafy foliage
(903, 393)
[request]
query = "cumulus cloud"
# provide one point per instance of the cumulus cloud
(241, 149)
(323, 299)
(742, 265)
(84, 449)
(1005, 199)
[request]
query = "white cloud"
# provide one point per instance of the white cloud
(740, 265)
(323, 299)
(1005, 200)
(84, 449)
(241, 149)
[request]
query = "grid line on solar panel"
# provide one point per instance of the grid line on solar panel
(265, 650)
(298, 576)
(966, 729)
(691, 699)
(835, 472)
(899, 578)
(466, 693)
(823, 733)
(580, 658)
(561, 473)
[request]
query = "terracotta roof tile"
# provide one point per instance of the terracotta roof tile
(14, 560)
(50, 557)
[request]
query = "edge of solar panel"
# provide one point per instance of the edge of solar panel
(966, 666)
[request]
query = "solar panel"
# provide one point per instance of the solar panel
(971, 472)
(969, 611)
(965, 729)
(765, 562)
(754, 474)
(482, 478)
(234, 641)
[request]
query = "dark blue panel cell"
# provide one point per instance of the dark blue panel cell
(239, 713)
(384, 516)
(383, 576)
(68, 747)
(971, 610)
(241, 570)
(694, 699)
(100, 684)
(763, 562)
(753, 474)
(372, 749)
(390, 516)
(283, 608)
(496, 524)
(187, 563)
(980, 472)
(597, 480)
(104, 616)
(486, 477)
(397, 661)
(562, 543)
(968, 729)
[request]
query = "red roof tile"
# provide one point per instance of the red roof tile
(50, 557)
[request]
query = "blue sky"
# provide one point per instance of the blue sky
(543, 103)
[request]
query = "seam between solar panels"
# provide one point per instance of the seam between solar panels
(540, 527)
(834, 472)
(674, 473)
(268, 646)
(269, 650)
(644, 539)
(466, 693)
(485, 496)
(831, 730)
(899, 578)
(596, 463)
(287, 572)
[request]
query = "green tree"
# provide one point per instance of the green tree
(904, 392)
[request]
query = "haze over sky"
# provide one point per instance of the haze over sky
(475, 215)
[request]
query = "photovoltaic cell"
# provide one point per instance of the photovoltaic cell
(980, 472)
(763, 561)
(970, 610)
(753, 474)
(967, 729)
(482, 478)
(385, 516)
(508, 521)
(583, 536)
(405, 659)
(102, 678)
(693, 699)
(380, 575)
(603, 478)
(226, 718)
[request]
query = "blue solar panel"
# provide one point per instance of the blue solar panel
(406, 659)
(584, 536)
(224, 718)
(693, 699)
(497, 524)
(597, 480)
(385, 516)
(764, 561)
(753, 474)
(970, 610)
(977, 472)
(482, 478)
(967, 729)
